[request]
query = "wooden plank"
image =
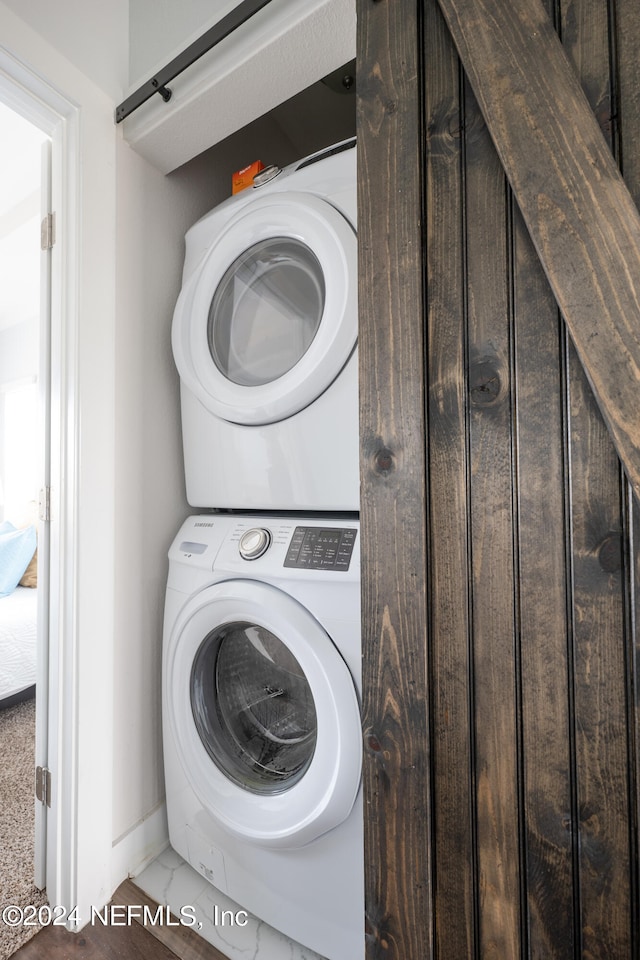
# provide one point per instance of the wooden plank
(584, 28)
(94, 943)
(600, 678)
(491, 544)
(113, 941)
(598, 601)
(578, 211)
(454, 826)
(393, 477)
(627, 47)
(543, 588)
(182, 941)
(556, 908)
(633, 698)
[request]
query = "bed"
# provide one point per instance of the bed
(18, 631)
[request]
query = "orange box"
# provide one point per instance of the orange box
(242, 179)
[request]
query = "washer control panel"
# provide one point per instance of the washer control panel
(254, 543)
(277, 547)
(321, 548)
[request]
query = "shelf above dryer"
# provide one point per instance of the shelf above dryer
(282, 48)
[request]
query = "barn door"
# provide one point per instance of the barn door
(501, 702)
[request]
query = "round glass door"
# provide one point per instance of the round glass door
(269, 318)
(266, 311)
(263, 713)
(253, 708)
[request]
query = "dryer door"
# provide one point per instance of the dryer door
(269, 317)
(264, 713)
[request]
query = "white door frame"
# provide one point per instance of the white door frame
(44, 481)
(68, 881)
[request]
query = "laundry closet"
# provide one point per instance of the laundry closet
(197, 137)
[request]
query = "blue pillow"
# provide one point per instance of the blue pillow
(16, 550)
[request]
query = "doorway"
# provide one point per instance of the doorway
(24, 469)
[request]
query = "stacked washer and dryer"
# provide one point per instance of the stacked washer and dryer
(261, 660)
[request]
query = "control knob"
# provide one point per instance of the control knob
(254, 542)
(266, 175)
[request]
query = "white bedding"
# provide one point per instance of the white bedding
(18, 618)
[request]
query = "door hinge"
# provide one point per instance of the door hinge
(44, 504)
(48, 232)
(43, 786)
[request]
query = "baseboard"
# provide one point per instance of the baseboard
(134, 850)
(182, 941)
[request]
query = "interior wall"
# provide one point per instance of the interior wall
(21, 443)
(19, 355)
(19, 351)
(157, 28)
(91, 36)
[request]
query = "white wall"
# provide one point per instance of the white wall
(91, 34)
(158, 28)
(19, 351)
(18, 364)
(149, 489)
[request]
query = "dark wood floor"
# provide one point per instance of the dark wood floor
(95, 943)
(134, 942)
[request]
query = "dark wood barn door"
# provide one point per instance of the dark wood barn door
(500, 535)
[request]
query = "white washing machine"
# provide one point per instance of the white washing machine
(261, 720)
(265, 341)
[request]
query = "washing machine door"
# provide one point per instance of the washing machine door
(269, 317)
(264, 713)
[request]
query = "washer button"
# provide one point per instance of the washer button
(254, 543)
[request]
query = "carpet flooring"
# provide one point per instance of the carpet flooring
(17, 733)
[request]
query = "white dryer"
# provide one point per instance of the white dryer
(265, 341)
(261, 720)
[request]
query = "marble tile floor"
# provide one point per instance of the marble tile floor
(172, 882)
